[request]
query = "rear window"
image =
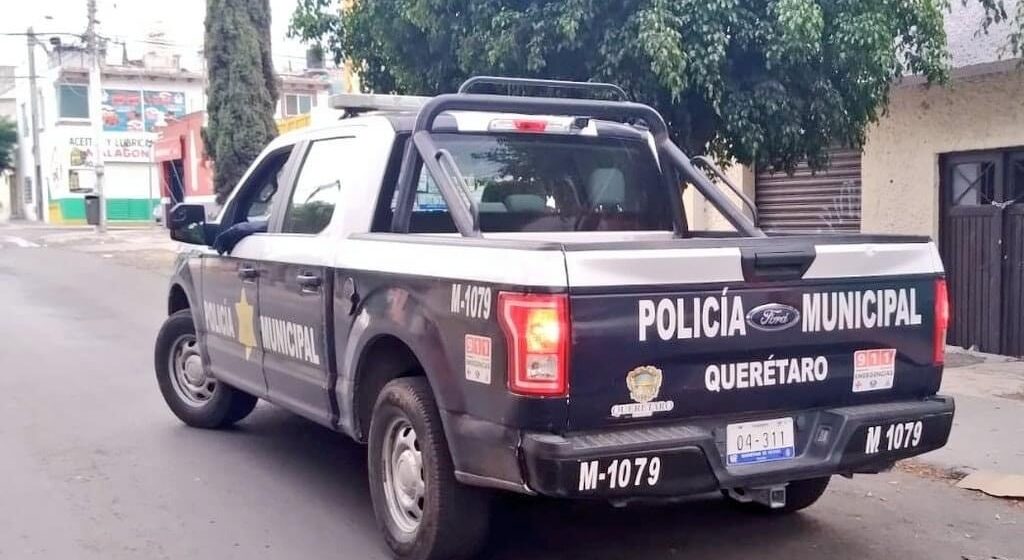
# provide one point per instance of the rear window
(539, 183)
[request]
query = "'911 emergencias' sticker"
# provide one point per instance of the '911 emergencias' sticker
(874, 370)
(478, 358)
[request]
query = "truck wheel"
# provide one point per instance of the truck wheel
(192, 395)
(424, 513)
(799, 495)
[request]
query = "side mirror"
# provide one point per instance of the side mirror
(187, 223)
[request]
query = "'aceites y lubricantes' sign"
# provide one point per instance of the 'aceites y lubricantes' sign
(125, 147)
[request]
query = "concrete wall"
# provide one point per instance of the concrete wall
(701, 215)
(901, 159)
(7, 181)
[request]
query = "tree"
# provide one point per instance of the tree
(242, 88)
(8, 141)
(997, 13)
(768, 82)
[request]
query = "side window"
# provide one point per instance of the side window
(257, 194)
(317, 187)
(428, 195)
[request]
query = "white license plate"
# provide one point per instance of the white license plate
(759, 442)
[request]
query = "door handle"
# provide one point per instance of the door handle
(309, 281)
(248, 272)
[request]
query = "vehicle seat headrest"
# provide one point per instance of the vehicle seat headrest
(525, 203)
(606, 187)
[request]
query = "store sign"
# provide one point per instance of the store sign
(119, 147)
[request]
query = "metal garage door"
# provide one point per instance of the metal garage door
(827, 201)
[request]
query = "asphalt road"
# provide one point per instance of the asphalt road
(93, 465)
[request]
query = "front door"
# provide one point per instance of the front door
(231, 283)
(296, 288)
(982, 234)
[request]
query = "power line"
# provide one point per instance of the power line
(23, 34)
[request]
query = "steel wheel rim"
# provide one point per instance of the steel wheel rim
(188, 375)
(404, 484)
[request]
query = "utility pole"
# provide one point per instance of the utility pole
(37, 173)
(96, 115)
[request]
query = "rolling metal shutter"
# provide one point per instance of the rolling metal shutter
(826, 202)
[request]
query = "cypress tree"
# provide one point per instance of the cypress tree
(241, 87)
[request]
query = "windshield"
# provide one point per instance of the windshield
(524, 182)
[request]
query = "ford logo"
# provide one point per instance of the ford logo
(773, 317)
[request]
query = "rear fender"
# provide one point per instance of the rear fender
(398, 313)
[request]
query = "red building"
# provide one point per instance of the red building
(186, 175)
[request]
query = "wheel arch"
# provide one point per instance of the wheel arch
(177, 299)
(384, 358)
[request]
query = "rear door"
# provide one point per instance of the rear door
(296, 287)
(701, 331)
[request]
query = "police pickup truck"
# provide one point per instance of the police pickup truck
(500, 292)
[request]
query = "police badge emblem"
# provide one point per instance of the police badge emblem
(644, 383)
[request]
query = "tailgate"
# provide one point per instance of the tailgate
(699, 332)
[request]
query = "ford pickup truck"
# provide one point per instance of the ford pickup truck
(502, 293)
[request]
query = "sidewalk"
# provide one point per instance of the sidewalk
(144, 246)
(988, 430)
(113, 241)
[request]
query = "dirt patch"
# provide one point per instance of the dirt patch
(1018, 396)
(962, 359)
(950, 476)
(919, 468)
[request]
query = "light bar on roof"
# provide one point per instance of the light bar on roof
(377, 102)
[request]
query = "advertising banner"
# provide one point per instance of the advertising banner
(163, 107)
(122, 110)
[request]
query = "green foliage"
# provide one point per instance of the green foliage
(769, 82)
(997, 13)
(242, 90)
(8, 141)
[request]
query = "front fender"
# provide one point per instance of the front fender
(185, 278)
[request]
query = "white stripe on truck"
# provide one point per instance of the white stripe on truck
(654, 267)
(874, 259)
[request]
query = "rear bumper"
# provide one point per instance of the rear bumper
(691, 455)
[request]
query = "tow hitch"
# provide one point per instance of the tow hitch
(771, 496)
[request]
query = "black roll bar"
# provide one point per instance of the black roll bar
(710, 165)
(422, 150)
(468, 85)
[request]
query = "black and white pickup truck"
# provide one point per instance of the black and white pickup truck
(502, 293)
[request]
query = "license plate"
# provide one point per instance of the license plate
(759, 442)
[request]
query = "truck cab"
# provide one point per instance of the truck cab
(502, 293)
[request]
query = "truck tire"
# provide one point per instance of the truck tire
(800, 494)
(424, 513)
(192, 395)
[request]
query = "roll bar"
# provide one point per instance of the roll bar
(423, 150)
(710, 165)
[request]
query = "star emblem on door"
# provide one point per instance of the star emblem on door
(246, 330)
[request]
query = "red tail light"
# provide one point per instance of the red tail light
(941, 321)
(536, 328)
(526, 125)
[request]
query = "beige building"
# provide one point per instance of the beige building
(902, 164)
(943, 161)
